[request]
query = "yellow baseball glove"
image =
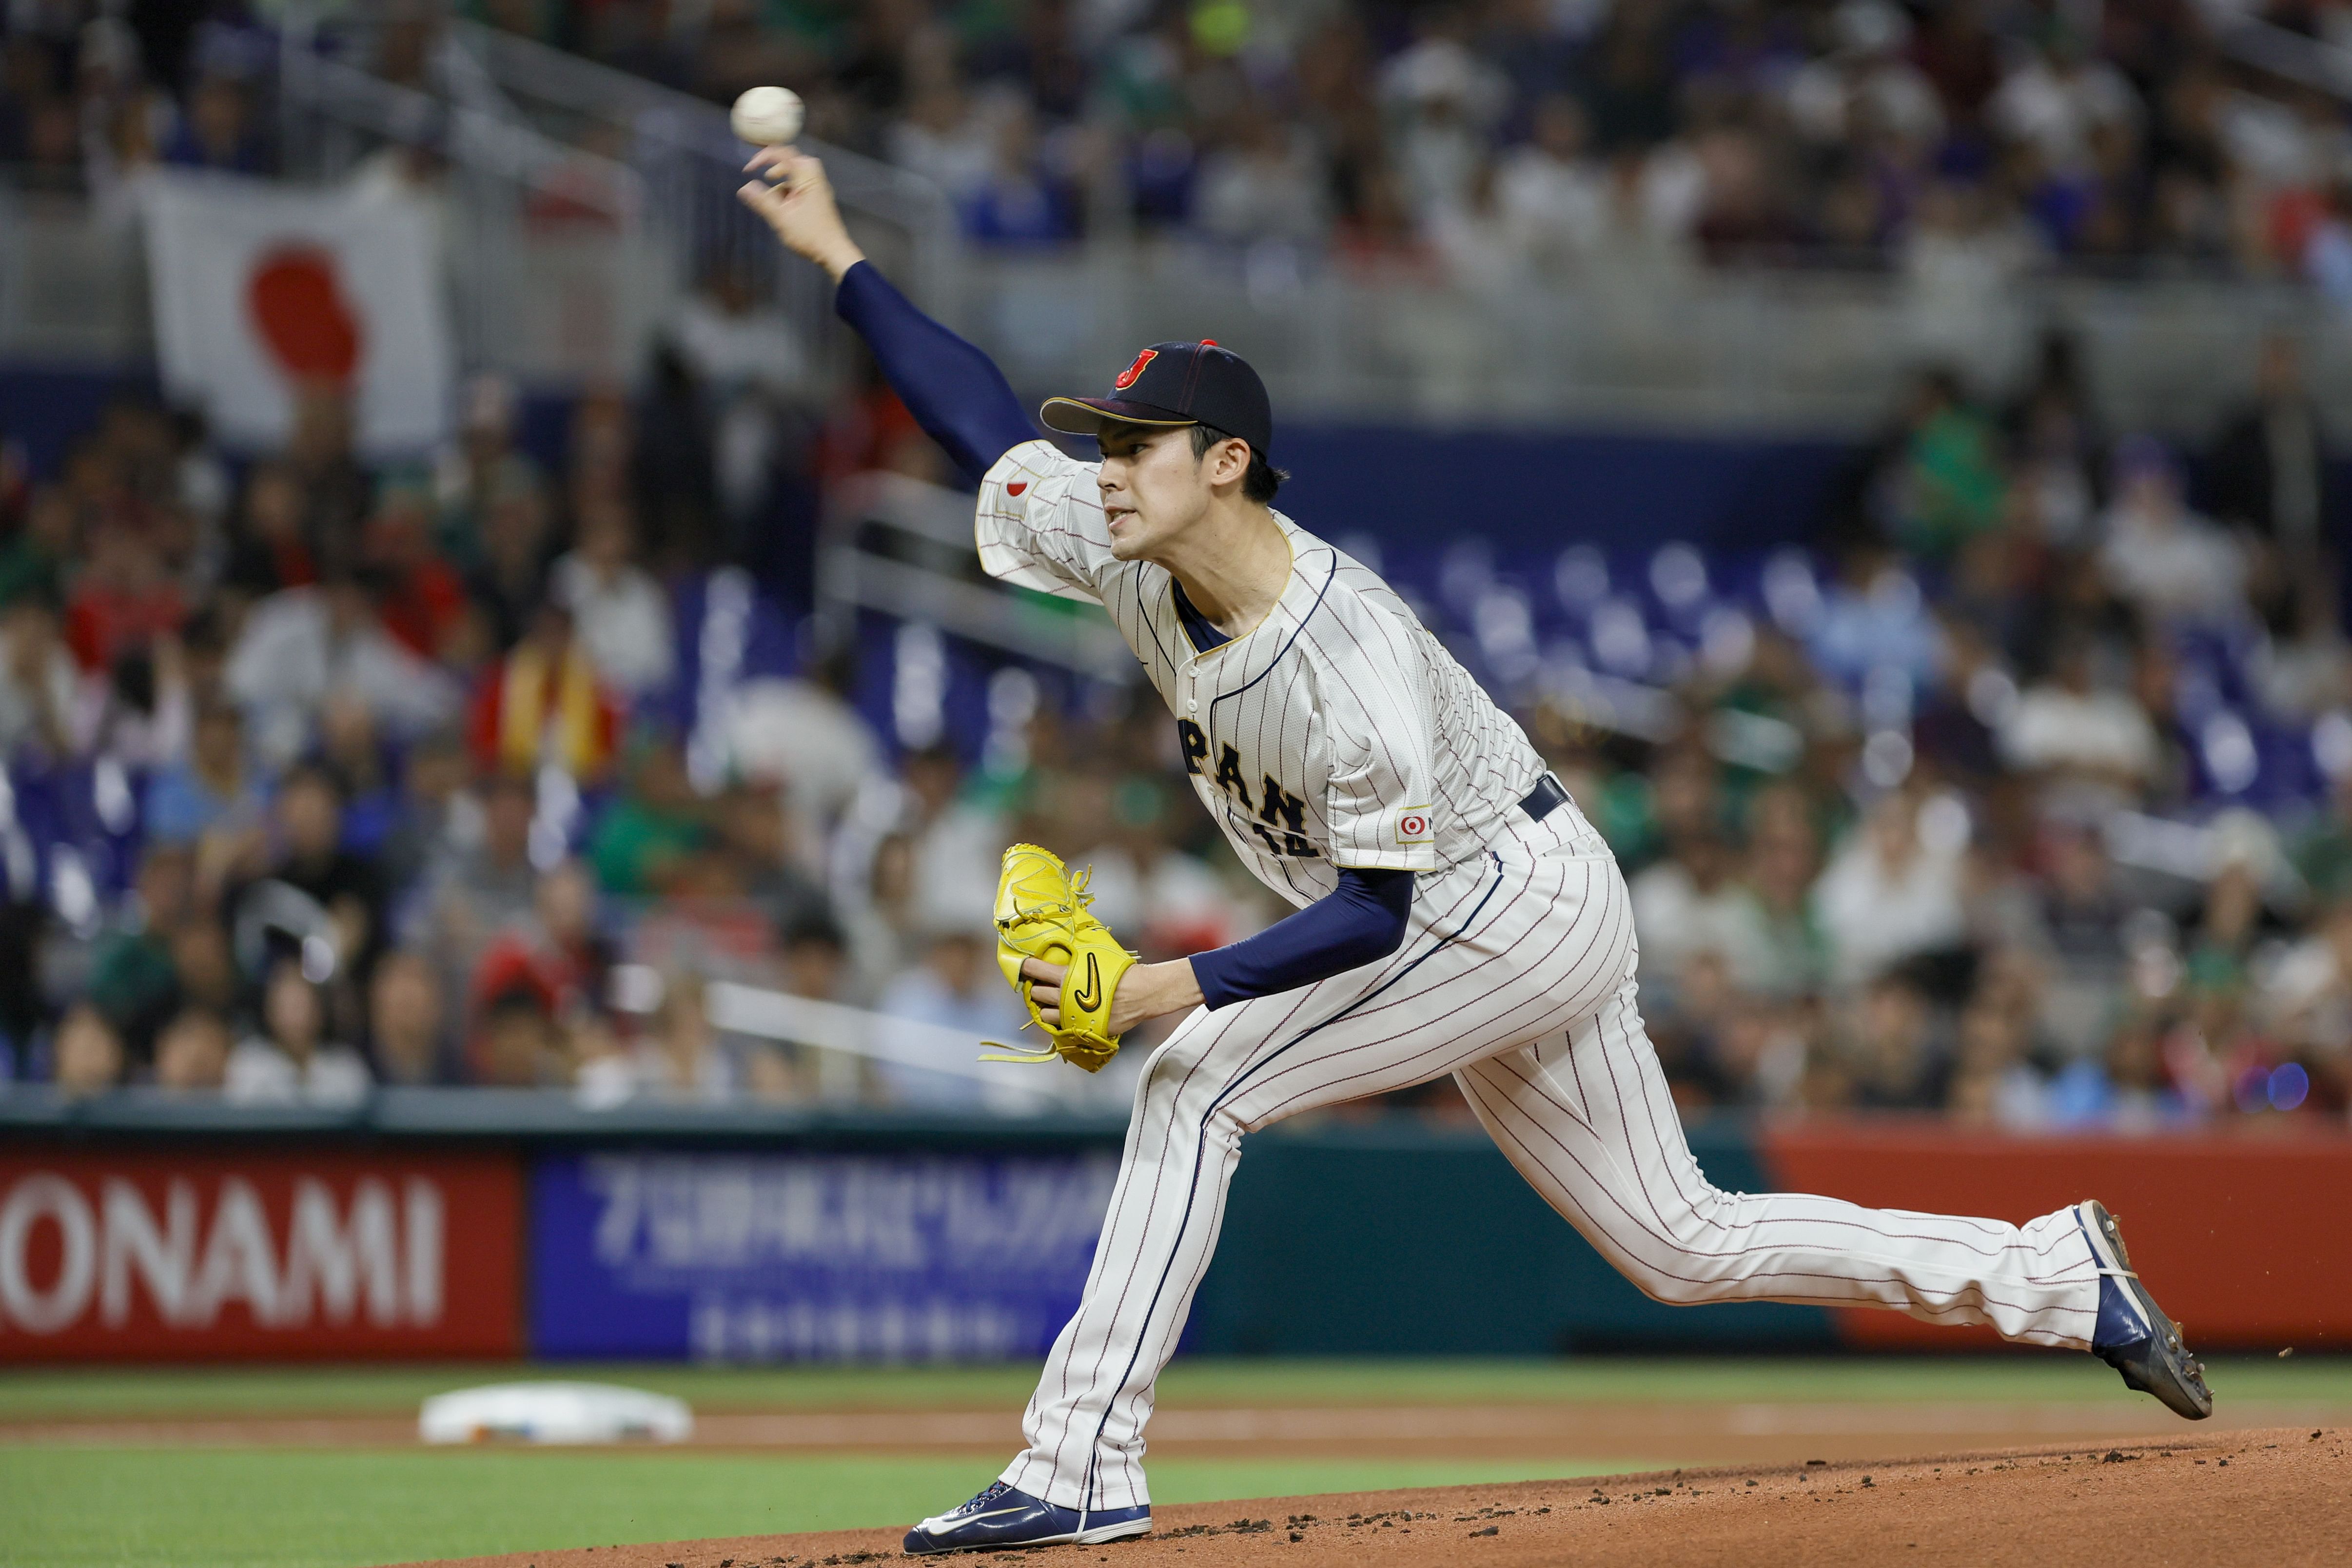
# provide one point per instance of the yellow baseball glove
(1042, 913)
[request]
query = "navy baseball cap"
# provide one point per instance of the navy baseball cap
(1176, 383)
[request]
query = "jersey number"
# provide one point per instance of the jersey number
(1281, 816)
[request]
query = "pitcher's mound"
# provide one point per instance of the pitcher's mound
(2261, 1498)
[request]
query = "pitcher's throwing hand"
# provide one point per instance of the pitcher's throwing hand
(796, 199)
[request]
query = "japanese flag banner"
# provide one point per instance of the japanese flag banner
(263, 292)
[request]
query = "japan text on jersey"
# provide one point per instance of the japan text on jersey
(1336, 734)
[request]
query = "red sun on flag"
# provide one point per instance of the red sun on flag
(298, 305)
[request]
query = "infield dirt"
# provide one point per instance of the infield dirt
(2229, 1500)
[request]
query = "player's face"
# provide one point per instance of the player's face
(1153, 488)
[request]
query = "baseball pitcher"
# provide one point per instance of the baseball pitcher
(1456, 914)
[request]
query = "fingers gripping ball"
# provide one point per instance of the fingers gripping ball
(767, 116)
(1042, 911)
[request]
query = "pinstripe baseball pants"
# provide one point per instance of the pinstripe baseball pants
(1517, 976)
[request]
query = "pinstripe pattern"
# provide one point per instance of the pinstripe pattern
(1531, 1006)
(1373, 735)
(1585, 1118)
(1516, 976)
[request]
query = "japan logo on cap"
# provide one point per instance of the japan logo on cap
(1127, 377)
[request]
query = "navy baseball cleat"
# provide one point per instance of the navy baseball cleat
(2133, 1335)
(1000, 1517)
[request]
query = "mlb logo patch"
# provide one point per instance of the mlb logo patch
(1412, 825)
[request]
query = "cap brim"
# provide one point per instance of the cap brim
(1088, 416)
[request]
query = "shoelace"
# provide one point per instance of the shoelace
(988, 1494)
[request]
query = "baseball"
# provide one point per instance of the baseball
(767, 116)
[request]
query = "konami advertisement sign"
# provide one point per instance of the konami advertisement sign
(169, 1254)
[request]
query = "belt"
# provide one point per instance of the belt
(1546, 797)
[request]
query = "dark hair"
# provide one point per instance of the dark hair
(318, 772)
(1262, 480)
(814, 928)
(515, 997)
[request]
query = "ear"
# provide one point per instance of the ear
(1228, 460)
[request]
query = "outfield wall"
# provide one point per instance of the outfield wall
(465, 1225)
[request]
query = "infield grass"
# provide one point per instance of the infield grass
(106, 1505)
(133, 1508)
(81, 1394)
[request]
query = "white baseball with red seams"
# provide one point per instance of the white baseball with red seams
(1340, 734)
(767, 116)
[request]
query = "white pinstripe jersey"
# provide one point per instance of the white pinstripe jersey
(1336, 732)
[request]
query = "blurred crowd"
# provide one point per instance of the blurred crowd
(2036, 807)
(1496, 143)
(1511, 139)
(2025, 795)
(320, 775)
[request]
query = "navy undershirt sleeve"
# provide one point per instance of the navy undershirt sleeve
(963, 402)
(1362, 921)
(954, 391)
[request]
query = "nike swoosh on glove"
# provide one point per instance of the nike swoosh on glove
(1042, 913)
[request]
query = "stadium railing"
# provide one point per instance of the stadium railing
(2264, 45)
(901, 547)
(1687, 350)
(1665, 347)
(693, 162)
